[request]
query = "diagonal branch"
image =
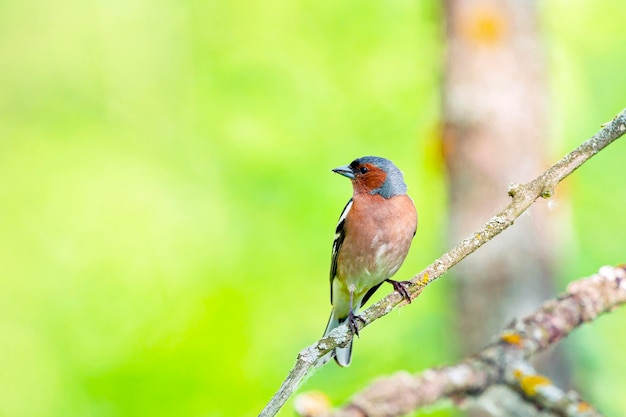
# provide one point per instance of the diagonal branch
(504, 361)
(523, 196)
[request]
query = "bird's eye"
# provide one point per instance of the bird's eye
(363, 170)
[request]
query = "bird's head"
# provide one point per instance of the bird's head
(374, 175)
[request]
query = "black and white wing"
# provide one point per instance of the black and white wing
(340, 235)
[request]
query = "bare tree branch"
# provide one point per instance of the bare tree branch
(523, 196)
(505, 360)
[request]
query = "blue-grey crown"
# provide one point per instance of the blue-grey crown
(394, 183)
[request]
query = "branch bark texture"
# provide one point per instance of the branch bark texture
(505, 360)
(523, 196)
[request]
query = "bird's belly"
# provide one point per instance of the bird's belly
(370, 267)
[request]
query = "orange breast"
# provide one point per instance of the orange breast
(378, 236)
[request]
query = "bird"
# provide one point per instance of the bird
(372, 238)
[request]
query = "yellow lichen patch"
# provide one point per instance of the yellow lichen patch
(425, 278)
(530, 384)
(311, 404)
(583, 406)
(511, 338)
(485, 25)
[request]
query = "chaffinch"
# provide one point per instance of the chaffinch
(372, 239)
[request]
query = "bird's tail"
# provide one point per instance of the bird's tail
(343, 355)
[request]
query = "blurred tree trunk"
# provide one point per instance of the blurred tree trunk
(494, 108)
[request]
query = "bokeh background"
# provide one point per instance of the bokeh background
(167, 207)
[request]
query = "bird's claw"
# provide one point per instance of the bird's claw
(401, 287)
(352, 322)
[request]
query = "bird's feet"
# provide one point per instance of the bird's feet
(401, 287)
(352, 322)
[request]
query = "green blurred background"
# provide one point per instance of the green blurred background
(167, 207)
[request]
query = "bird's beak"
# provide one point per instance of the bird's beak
(345, 170)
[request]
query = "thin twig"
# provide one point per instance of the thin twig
(523, 196)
